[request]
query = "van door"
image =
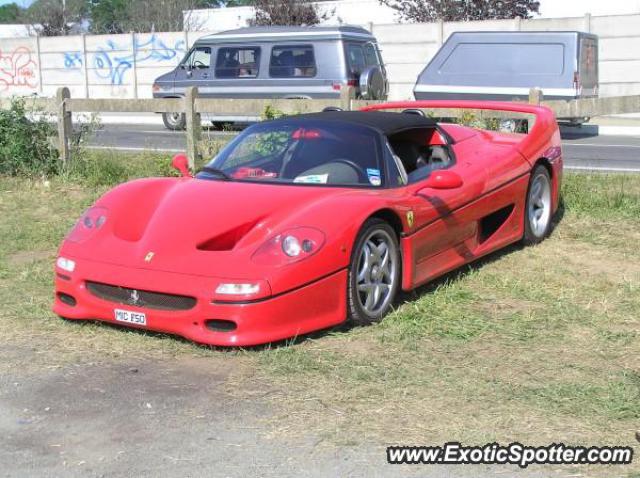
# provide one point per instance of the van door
(360, 56)
(372, 56)
(195, 69)
(356, 62)
(587, 79)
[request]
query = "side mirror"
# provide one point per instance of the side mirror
(181, 163)
(443, 179)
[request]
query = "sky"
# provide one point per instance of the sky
(22, 3)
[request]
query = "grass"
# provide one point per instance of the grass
(532, 344)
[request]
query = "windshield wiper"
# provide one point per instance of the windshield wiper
(217, 172)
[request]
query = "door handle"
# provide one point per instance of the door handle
(205, 75)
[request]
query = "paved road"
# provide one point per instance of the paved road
(582, 151)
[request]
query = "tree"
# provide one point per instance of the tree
(286, 12)
(55, 17)
(462, 10)
(108, 16)
(119, 16)
(10, 13)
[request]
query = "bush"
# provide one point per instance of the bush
(271, 113)
(108, 168)
(26, 147)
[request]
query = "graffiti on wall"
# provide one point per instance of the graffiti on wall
(112, 61)
(17, 69)
(73, 59)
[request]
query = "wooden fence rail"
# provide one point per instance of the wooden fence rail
(193, 106)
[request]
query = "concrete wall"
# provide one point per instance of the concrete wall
(124, 66)
(8, 30)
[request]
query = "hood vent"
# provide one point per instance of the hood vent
(227, 240)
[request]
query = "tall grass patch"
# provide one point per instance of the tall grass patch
(602, 196)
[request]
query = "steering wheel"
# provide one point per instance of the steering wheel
(362, 175)
(199, 64)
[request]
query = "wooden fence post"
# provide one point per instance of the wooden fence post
(193, 125)
(65, 126)
(535, 96)
(347, 93)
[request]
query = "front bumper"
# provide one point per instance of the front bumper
(314, 306)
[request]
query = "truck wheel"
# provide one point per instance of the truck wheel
(174, 121)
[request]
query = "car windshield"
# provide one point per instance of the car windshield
(301, 152)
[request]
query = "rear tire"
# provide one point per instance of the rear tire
(537, 214)
(374, 273)
(174, 121)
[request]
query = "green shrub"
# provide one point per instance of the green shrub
(26, 147)
(271, 113)
(108, 168)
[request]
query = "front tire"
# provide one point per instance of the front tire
(174, 121)
(374, 273)
(537, 215)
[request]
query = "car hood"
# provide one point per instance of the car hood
(194, 226)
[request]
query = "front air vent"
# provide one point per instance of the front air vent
(67, 299)
(140, 298)
(219, 325)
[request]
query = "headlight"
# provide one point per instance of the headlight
(65, 264)
(238, 289)
(92, 220)
(242, 291)
(290, 246)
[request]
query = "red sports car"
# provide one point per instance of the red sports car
(303, 222)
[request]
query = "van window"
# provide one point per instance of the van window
(371, 55)
(242, 62)
(200, 58)
(505, 59)
(292, 62)
(355, 58)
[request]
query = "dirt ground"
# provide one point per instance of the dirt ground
(169, 418)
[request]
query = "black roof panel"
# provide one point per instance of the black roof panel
(386, 122)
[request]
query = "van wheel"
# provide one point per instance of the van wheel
(174, 121)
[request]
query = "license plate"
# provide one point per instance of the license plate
(130, 317)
